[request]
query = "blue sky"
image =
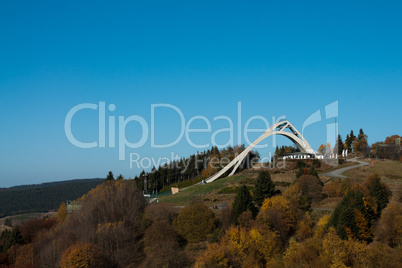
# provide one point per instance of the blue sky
(275, 57)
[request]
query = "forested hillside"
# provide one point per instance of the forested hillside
(263, 227)
(42, 197)
(187, 171)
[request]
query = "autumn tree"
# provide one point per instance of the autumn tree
(61, 213)
(161, 212)
(195, 222)
(33, 229)
(277, 215)
(241, 248)
(264, 187)
(321, 149)
(246, 219)
(311, 187)
(298, 203)
(362, 226)
(24, 256)
(389, 229)
(306, 254)
(82, 255)
(305, 227)
(162, 246)
(392, 139)
(111, 216)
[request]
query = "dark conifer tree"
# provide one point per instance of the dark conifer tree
(378, 191)
(264, 187)
(340, 145)
(110, 176)
(243, 202)
(344, 214)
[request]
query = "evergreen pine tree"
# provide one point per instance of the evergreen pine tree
(264, 187)
(344, 214)
(349, 140)
(243, 202)
(361, 135)
(378, 191)
(110, 176)
(340, 145)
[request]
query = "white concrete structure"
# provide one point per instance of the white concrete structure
(276, 129)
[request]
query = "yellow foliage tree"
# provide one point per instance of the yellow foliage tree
(62, 213)
(392, 139)
(24, 256)
(267, 204)
(389, 229)
(305, 227)
(81, 255)
(333, 246)
(277, 215)
(240, 247)
(195, 222)
(321, 225)
(364, 232)
(216, 255)
(291, 253)
(321, 149)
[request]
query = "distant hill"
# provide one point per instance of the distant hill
(42, 197)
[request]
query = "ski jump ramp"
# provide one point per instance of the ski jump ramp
(276, 129)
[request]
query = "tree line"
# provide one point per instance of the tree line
(194, 168)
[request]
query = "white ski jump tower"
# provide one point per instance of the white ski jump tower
(276, 129)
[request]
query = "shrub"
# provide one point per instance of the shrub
(160, 211)
(195, 222)
(162, 246)
(389, 229)
(311, 187)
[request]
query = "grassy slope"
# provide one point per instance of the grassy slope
(199, 190)
(389, 170)
(247, 177)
